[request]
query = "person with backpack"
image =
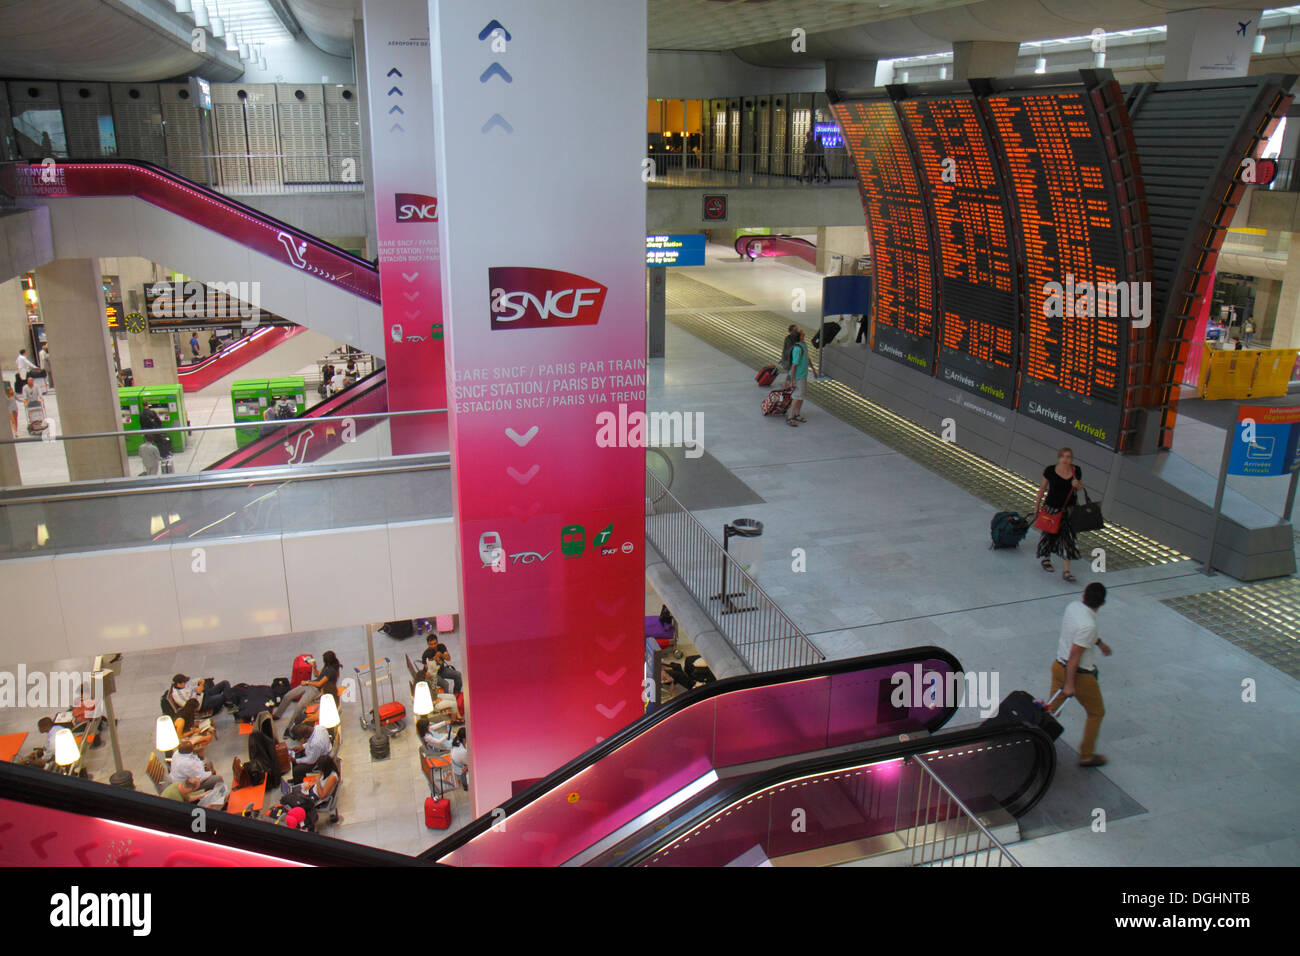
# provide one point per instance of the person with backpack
(799, 370)
(792, 336)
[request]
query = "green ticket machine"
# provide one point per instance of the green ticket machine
(249, 399)
(169, 402)
(128, 400)
(288, 396)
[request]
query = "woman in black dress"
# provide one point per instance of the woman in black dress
(1060, 482)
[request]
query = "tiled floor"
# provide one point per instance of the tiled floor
(898, 555)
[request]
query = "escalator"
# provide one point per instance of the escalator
(699, 746)
(299, 443)
(235, 355)
(132, 208)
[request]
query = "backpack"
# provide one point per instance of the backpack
(1007, 529)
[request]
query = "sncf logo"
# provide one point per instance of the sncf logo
(415, 207)
(527, 298)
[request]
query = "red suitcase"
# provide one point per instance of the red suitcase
(437, 813)
(301, 670)
(391, 712)
(766, 375)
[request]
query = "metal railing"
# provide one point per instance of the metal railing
(748, 169)
(945, 832)
(241, 174)
(750, 621)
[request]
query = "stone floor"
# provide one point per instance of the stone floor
(897, 556)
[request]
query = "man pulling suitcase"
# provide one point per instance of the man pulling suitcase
(1074, 672)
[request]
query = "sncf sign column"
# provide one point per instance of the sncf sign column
(544, 289)
(406, 219)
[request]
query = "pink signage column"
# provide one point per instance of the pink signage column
(540, 131)
(406, 214)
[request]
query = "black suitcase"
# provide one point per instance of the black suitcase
(831, 329)
(1019, 706)
(399, 629)
(279, 687)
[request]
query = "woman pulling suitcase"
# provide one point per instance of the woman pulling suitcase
(1060, 482)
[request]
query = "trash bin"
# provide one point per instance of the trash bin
(747, 552)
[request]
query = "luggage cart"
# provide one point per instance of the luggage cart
(392, 714)
(37, 423)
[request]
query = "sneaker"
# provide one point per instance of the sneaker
(1096, 760)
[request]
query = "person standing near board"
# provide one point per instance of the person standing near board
(1060, 482)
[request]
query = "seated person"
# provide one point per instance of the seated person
(209, 698)
(186, 791)
(698, 671)
(445, 706)
(186, 764)
(49, 728)
(460, 758)
(437, 663)
(436, 737)
(316, 794)
(314, 743)
(199, 733)
(324, 681)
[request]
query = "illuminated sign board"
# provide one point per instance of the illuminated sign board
(201, 92)
(1074, 249)
(829, 135)
(684, 250)
(979, 315)
(901, 244)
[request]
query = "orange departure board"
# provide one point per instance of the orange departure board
(1072, 241)
(979, 315)
(904, 289)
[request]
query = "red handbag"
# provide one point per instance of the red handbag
(1049, 523)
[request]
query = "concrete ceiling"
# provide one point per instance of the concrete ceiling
(146, 40)
(106, 40)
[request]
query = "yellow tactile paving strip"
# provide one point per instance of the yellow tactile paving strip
(1263, 619)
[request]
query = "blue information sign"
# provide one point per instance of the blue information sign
(829, 134)
(1268, 441)
(684, 250)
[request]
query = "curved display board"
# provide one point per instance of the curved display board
(979, 327)
(902, 248)
(1080, 290)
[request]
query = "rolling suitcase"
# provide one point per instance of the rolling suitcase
(831, 329)
(399, 629)
(1019, 706)
(301, 670)
(766, 375)
(777, 402)
(437, 813)
(1008, 529)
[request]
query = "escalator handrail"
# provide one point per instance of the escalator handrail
(264, 328)
(1044, 766)
(92, 799)
(272, 433)
(213, 196)
(699, 695)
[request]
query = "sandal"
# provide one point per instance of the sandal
(1069, 577)
(800, 418)
(1047, 565)
(792, 422)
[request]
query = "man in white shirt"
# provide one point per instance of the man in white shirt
(23, 364)
(318, 745)
(1074, 670)
(186, 764)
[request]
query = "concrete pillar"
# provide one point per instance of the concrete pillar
(971, 58)
(1285, 333)
(1209, 43)
(159, 347)
(72, 304)
(657, 311)
(850, 74)
(13, 324)
(847, 241)
(1265, 317)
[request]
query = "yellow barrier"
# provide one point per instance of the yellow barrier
(1247, 373)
